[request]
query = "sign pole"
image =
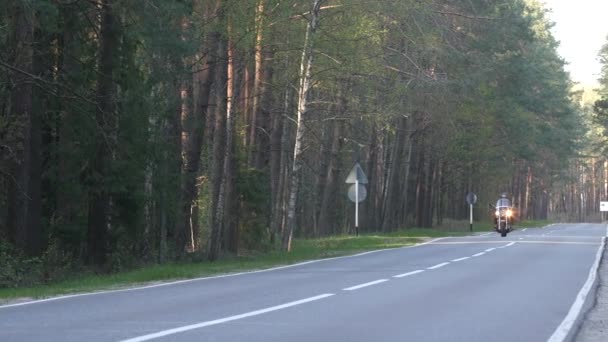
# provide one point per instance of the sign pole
(471, 215)
(357, 207)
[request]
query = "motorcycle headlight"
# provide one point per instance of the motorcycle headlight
(509, 212)
(497, 213)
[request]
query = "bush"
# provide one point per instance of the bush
(17, 270)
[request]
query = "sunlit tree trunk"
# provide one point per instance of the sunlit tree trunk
(305, 85)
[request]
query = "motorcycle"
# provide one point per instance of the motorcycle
(504, 220)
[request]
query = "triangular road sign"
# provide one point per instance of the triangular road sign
(356, 174)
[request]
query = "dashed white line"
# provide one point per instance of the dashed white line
(438, 266)
(460, 259)
(490, 249)
(510, 244)
(479, 254)
(224, 320)
(408, 274)
(356, 287)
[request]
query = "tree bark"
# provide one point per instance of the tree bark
(23, 194)
(220, 151)
(98, 194)
(304, 88)
(193, 124)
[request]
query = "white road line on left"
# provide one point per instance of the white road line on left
(408, 274)
(224, 320)
(479, 254)
(437, 266)
(460, 259)
(564, 328)
(356, 287)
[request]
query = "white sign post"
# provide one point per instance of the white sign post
(471, 199)
(603, 208)
(357, 192)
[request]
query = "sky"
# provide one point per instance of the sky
(581, 26)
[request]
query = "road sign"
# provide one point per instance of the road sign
(356, 175)
(352, 193)
(357, 191)
(603, 206)
(471, 198)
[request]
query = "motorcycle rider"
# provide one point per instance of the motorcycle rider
(503, 203)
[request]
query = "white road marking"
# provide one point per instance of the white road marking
(484, 234)
(408, 274)
(510, 244)
(479, 254)
(490, 249)
(562, 331)
(460, 259)
(356, 287)
(523, 230)
(438, 266)
(224, 320)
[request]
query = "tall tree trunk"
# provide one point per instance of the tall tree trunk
(193, 124)
(99, 201)
(258, 83)
(328, 209)
(394, 198)
(305, 85)
(23, 191)
(219, 154)
(231, 227)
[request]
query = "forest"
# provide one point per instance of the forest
(148, 131)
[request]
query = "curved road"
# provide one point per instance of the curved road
(528, 286)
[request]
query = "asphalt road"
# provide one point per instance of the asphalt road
(528, 286)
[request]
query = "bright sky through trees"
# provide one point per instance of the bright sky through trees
(581, 28)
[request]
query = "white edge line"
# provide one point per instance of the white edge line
(356, 287)
(224, 320)
(490, 249)
(510, 244)
(438, 266)
(523, 230)
(563, 329)
(479, 254)
(408, 274)
(209, 278)
(460, 259)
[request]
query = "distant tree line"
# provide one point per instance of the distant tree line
(153, 130)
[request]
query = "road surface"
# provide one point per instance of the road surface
(528, 286)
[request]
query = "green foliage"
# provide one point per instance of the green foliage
(17, 270)
(253, 189)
